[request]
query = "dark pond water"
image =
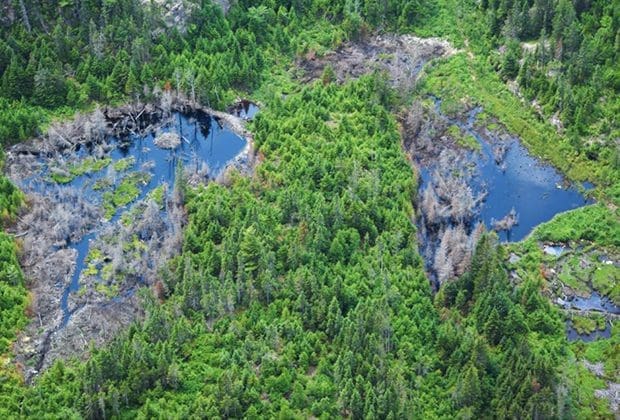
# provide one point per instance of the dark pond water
(535, 189)
(203, 140)
(595, 302)
(573, 335)
(245, 109)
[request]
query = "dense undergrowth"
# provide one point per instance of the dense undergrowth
(300, 291)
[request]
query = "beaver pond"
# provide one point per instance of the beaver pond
(105, 214)
(474, 175)
(203, 142)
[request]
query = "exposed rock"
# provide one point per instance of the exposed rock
(595, 368)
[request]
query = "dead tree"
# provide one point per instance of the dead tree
(97, 41)
(165, 102)
(177, 78)
(507, 222)
(98, 124)
(22, 6)
(190, 78)
(442, 262)
(499, 152)
(430, 206)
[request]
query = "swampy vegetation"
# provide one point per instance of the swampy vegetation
(125, 181)
(298, 209)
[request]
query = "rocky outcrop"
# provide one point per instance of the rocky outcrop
(174, 13)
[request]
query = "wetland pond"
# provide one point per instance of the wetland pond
(509, 177)
(573, 335)
(473, 173)
(593, 304)
(131, 170)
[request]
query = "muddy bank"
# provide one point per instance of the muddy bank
(104, 215)
(402, 57)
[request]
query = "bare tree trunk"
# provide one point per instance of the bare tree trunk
(39, 16)
(25, 15)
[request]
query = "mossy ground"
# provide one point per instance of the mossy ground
(464, 140)
(588, 324)
(86, 166)
(126, 192)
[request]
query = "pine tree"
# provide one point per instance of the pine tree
(16, 81)
(132, 86)
(334, 319)
(510, 61)
(493, 327)
(468, 387)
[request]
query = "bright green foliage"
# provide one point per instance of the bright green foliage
(11, 200)
(308, 298)
(572, 65)
(299, 292)
(587, 325)
(453, 81)
(13, 298)
(607, 280)
(256, 287)
(124, 193)
(511, 342)
(86, 166)
(19, 121)
(603, 352)
(597, 223)
(124, 164)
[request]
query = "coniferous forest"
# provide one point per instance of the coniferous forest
(421, 218)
